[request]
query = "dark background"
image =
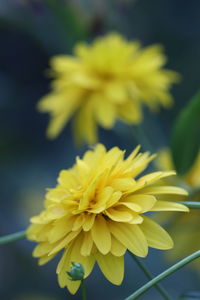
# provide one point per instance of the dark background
(30, 33)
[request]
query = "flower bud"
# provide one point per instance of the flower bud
(76, 272)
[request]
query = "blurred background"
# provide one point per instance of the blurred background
(31, 31)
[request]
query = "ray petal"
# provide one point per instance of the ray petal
(156, 236)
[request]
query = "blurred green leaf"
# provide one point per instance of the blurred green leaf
(68, 17)
(186, 136)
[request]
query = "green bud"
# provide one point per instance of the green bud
(76, 272)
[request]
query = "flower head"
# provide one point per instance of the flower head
(187, 240)
(111, 78)
(96, 213)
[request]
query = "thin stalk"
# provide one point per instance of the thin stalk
(12, 237)
(158, 286)
(84, 292)
(191, 204)
(163, 275)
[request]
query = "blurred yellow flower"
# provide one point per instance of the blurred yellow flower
(184, 229)
(111, 78)
(96, 212)
(192, 178)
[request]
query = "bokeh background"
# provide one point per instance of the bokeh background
(31, 31)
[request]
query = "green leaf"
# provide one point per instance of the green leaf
(186, 136)
(70, 20)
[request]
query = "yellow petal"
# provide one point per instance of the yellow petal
(101, 235)
(59, 117)
(146, 202)
(72, 286)
(63, 260)
(93, 158)
(60, 228)
(136, 219)
(84, 125)
(73, 255)
(126, 163)
(150, 178)
(169, 206)
(156, 236)
(42, 249)
(116, 92)
(103, 179)
(44, 259)
(32, 231)
(72, 235)
(131, 236)
(117, 248)
(79, 220)
(88, 195)
(113, 156)
(62, 268)
(38, 232)
(84, 80)
(87, 244)
(105, 112)
(62, 63)
(111, 266)
(56, 194)
(133, 206)
(67, 180)
(86, 261)
(137, 187)
(82, 167)
(89, 221)
(118, 214)
(133, 154)
(113, 199)
(139, 164)
(131, 111)
(102, 198)
(123, 184)
(164, 190)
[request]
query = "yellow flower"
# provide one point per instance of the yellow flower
(96, 212)
(110, 79)
(184, 228)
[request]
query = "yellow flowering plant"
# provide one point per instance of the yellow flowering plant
(103, 207)
(108, 80)
(97, 212)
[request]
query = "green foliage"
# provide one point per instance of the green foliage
(69, 19)
(186, 136)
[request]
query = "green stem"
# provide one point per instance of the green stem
(84, 293)
(163, 275)
(142, 266)
(191, 204)
(12, 237)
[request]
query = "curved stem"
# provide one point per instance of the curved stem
(12, 237)
(159, 287)
(164, 274)
(191, 204)
(84, 293)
